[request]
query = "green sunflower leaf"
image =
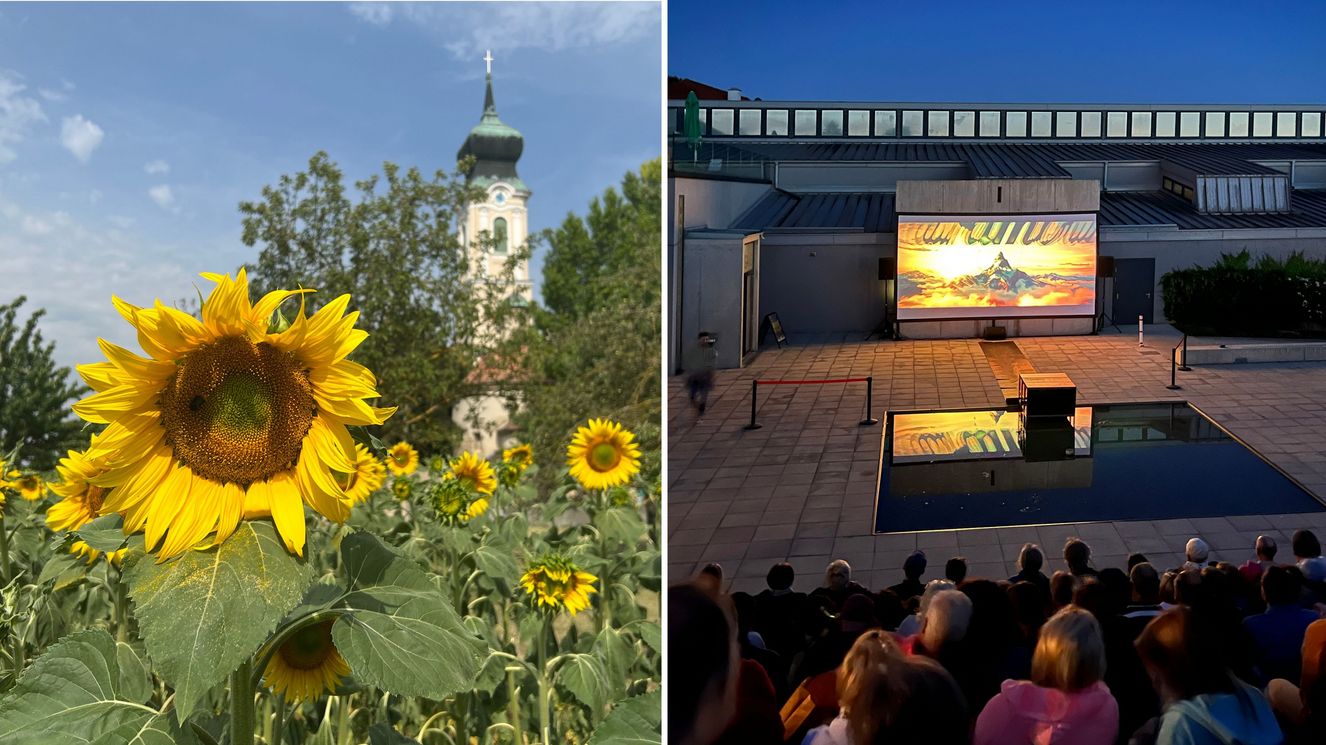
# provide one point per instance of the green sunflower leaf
(617, 654)
(382, 733)
(205, 612)
(105, 533)
(498, 564)
(400, 634)
(64, 569)
(86, 688)
(587, 679)
(652, 634)
(635, 721)
(620, 524)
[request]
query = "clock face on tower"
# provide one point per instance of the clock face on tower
(500, 198)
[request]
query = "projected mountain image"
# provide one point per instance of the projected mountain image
(1000, 284)
(1029, 265)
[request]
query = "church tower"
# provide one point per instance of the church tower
(501, 216)
(491, 230)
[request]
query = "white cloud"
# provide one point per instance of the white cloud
(378, 14)
(52, 96)
(467, 30)
(80, 136)
(121, 222)
(33, 225)
(18, 114)
(157, 166)
(162, 195)
(95, 196)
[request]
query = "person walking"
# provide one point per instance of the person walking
(700, 362)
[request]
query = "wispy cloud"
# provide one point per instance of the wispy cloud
(157, 166)
(162, 195)
(18, 114)
(467, 30)
(80, 136)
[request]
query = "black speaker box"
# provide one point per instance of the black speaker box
(1105, 266)
(887, 268)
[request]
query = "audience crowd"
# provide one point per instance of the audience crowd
(1206, 653)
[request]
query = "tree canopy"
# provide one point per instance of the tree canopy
(35, 394)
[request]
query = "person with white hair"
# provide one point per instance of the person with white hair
(838, 586)
(947, 616)
(1196, 552)
(912, 624)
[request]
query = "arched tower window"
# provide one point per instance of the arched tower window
(499, 235)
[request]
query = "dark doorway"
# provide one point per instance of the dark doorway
(1134, 290)
(749, 337)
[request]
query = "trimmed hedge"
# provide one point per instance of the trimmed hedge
(1241, 297)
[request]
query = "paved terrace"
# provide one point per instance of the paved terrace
(802, 488)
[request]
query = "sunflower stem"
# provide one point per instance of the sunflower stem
(241, 705)
(513, 703)
(278, 726)
(343, 720)
(4, 552)
(545, 709)
(121, 594)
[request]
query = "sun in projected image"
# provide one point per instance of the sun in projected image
(957, 261)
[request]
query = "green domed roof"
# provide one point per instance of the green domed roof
(494, 146)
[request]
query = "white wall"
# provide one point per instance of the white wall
(824, 283)
(715, 203)
(713, 294)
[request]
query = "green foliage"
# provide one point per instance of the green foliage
(635, 721)
(205, 612)
(34, 393)
(397, 253)
(1243, 296)
(86, 688)
(594, 351)
(400, 634)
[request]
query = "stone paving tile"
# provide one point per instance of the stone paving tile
(802, 488)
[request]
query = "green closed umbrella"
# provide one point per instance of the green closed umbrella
(692, 123)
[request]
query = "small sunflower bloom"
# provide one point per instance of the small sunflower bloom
(603, 455)
(402, 459)
(81, 503)
(307, 664)
(454, 502)
(402, 488)
(227, 416)
(30, 486)
(367, 478)
(473, 472)
(520, 456)
(556, 582)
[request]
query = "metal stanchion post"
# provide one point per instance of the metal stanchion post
(754, 386)
(1184, 367)
(1139, 331)
(870, 387)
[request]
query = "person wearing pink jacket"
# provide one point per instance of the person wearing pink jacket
(1065, 701)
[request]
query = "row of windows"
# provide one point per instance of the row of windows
(1178, 189)
(722, 122)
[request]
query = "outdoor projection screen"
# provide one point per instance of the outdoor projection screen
(1019, 266)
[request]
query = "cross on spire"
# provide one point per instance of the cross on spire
(488, 60)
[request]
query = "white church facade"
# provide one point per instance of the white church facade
(491, 230)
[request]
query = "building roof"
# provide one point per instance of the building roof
(1019, 160)
(494, 145)
(679, 87)
(875, 212)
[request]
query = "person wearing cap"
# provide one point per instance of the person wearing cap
(1196, 552)
(1265, 548)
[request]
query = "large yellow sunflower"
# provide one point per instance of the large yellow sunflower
(402, 459)
(603, 455)
(30, 486)
(81, 504)
(225, 418)
(367, 478)
(307, 664)
(473, 472)
(554, 581)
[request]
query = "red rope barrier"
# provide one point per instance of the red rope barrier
(808, 382)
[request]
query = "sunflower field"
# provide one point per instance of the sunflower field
(234, 557)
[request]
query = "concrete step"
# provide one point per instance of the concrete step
(1228, 354)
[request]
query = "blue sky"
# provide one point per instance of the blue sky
(129, 133)
(1159, 51)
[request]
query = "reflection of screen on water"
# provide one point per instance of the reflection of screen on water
(971, 435)
(996, 267)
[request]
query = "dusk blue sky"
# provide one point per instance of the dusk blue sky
(129, 133)
(1162, 51)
